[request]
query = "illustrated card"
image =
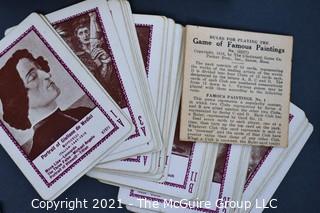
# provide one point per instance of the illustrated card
(264, 160)
(88, 30)
(283, 168)
(56, 123)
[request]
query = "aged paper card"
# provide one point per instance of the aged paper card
(236, 87)
(55, 121)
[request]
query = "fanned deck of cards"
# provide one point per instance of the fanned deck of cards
(94, 89)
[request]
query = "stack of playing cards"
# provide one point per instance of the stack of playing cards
(266, 168)
(58, 126)
(56, 122)
(94, 89)
(182, 165)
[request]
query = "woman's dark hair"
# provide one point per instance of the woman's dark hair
(13, 94)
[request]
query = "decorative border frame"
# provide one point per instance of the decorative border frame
(115, 127)
(150, 28)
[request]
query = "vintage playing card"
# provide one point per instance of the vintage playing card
(138, 59)
(155, 25)
(56, 123)
(274, 182)
(140, 163)
(172, 91)
(149, 31)
(94, 18)
(88, 30)
(265, 160)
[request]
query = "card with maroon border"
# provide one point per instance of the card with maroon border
(150, 32)
(147, 37)
(88, 29)
(273, 183)
(56, 122)
(264, 160)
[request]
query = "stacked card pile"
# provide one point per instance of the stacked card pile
(75, 96)
(233, 184)
(93, 89)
